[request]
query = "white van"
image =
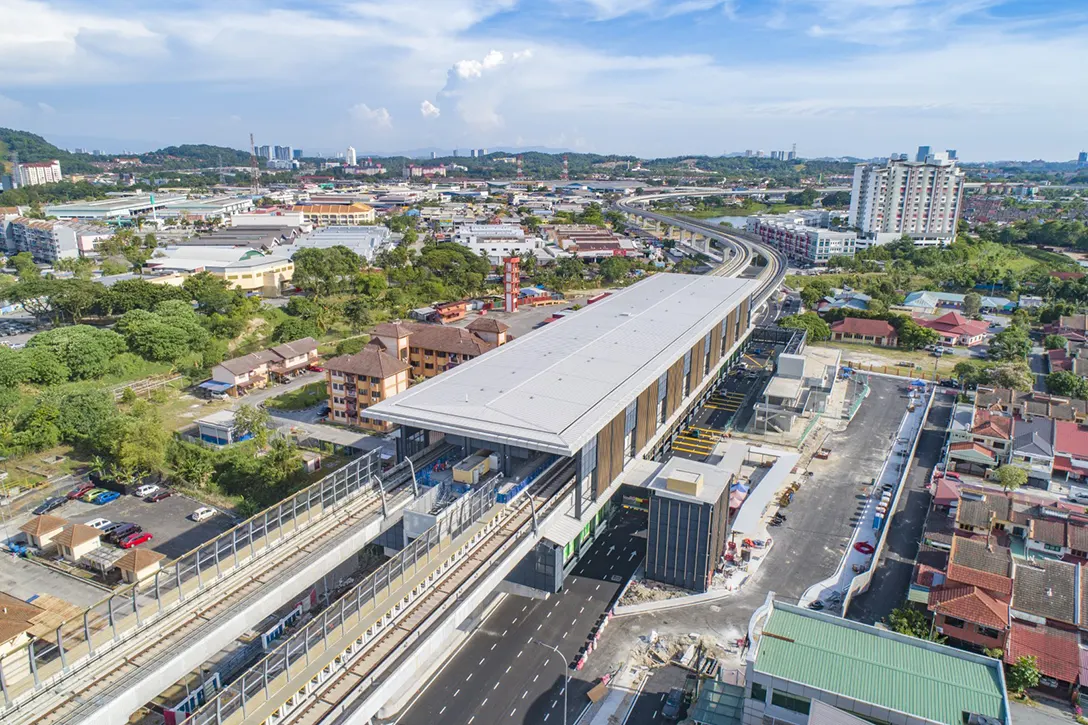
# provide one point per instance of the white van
(1078, 494)
(203, 514)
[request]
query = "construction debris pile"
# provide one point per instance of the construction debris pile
(641, 590)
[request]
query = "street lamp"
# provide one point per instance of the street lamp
(415, 484)
(566, 672)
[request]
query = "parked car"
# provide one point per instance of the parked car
(136, 539)
(315, 368)
(79, 490)
(92, 494)
(146, 490)
(203, 514)
(159, 495)
(53, 502)
(112, 528)
(671, 709)
(123, 531)
(105, 497)
(98, 523)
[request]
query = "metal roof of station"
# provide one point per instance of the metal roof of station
(554, 389)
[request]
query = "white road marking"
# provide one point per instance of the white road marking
(513, 711)
(494, 646)
(553, 704)
(470, 720)
(497, 684)
(482, 704)
(504, 632)
(519, 653)
(598, 587)
(548, 615)
(458, 692)
(469, 677)
(534, 677)
(546, 662)
(581, 610)
(546, 715)
(442, 710)
(508, 669)
(525, 607)
(524, 694)
(481, 660)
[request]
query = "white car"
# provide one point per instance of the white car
(98, 523)
(146, 490)
(203, 514)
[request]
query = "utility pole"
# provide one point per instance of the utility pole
(566, 673)
(256, 189)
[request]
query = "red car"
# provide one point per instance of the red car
(159, 496)
(80, 490)
(315, 368)
(140, 537)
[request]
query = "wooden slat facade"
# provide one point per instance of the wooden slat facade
(675, 387)
(715, 345)
(731, 330)
(646, 423)
(609, 453)
(698, 353)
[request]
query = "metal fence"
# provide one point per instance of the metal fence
(368, 596)
(128, 611)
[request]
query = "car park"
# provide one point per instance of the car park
(135, 539)
(79, 490)
(159, 495)
(105, 497)
(146, 489)
(98, 523)
(91, 494)
(203, 513)
(49, 504)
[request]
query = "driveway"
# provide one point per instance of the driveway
(259, 396)
(1037, 362)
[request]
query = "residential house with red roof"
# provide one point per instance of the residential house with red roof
(1071, 451)
(955, 329)
(872, 332)
(983, 444)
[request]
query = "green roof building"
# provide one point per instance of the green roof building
(799, 655)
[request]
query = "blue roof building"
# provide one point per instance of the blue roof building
(926, 299)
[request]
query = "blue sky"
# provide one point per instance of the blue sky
(991, 78)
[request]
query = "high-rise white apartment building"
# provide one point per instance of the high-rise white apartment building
(920, 199)
(282, 153)
(349, 157)
(33, 174)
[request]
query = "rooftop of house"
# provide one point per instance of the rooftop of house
(892, 672)
(1033, 436)
(992, 425)
(970, 603)
(975, 562)
(1046, 588)
(370, 362)
(1056, 651)
(859, 326)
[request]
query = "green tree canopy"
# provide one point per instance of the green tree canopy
(1067, 383)
(1011, 477)
(85, 351)
(818, 330)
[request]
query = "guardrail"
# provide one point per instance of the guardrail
(126, 613)
(363, 597)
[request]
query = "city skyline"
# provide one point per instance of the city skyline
(644, 77)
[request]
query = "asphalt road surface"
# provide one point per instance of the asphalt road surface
(892, 577)
(647, 708)
(502, 674)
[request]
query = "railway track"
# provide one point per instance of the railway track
(547, 494)
(115, 670)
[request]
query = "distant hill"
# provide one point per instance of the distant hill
(32, 147)
(195, 156)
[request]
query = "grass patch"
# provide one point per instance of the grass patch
(305, 397)
(886, 360)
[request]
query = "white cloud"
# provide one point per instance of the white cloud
(46, 108)
(520, 55)
(376, 117)
(429, 110)
(476, 68)
(602, 10)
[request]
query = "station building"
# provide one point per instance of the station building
(608, 385)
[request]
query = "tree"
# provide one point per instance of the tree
(818, 330)
(972, 304)
(1067, 383)
(294, 328)
(1055, 342)
(1023, 674)
(836, 200)
(357, 313)
(138, 294)
(814, 291)
(1016, 376)
(192, 464)
(1011, 477)
(913, 336)
(254, 421)
(25, 269)
(1012, 343)
(43, 367)
(74, 297)
(211, 293)
(972, 373)
(614, 269)
(86, 351)
(82, 414)
(323, 272)
(911, 622)
(350, 346)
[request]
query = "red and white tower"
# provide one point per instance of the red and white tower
(521, 172)
(566, 168)
(512, 283)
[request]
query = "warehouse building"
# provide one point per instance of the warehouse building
(604, 386)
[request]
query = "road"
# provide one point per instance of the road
(892, 577)
(1037, 361)
(647, 708)
(259, 396)
(502, 675)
